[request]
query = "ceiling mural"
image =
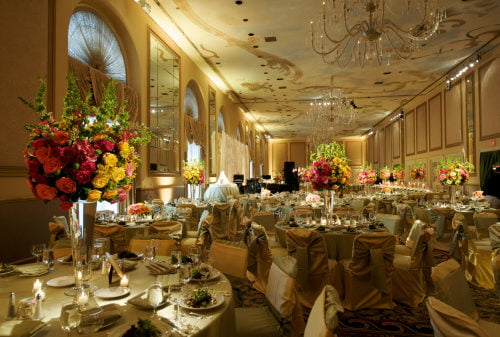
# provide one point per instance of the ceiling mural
(262, 51)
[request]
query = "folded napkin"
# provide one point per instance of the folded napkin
(20, 328)
(31, 269)
(111, 314)
(161, 268)
(141, 300)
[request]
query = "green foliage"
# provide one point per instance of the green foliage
(328, 152)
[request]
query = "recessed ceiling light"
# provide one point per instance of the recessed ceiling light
(378, 82)
(255, 46)
(238, 2)
(251, 34)
(245, 20)
(280, 79)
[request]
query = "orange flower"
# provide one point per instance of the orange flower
(61, 137)
(42, 153)
(66, 185)
(52, 165)
(46, 192)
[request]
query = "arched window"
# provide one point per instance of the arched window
(91, 41)
(193, 150)
(220, 123)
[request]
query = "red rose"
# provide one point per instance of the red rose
(67, 155)
(34, 166)
(61, 137)
(84, 177)
(52, 165)
(65, 205)
(42, 153)
(39, 178)
(66, 185)
(88, 166)
(104, 145)
(40, 142)
(46, 192)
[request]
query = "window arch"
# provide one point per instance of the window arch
(221, 127)
(91, 41)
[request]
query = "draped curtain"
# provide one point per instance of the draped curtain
(234, 156)
(486, 162)
(194, 130)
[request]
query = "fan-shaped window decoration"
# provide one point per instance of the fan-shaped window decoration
(220, 123)
(91, 41)
(190, 103)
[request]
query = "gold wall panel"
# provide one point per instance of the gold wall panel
(298, 154)
(410, 133)
(489, 100)
(453, 116)
(435, 123)
(396, 139)
(421, 127)
(279, 156)
(354, 151)
(388, 144)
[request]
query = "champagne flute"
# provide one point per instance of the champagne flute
(70, 317)
(155, 296)
(37, 250)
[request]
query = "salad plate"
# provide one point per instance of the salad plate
(215, 301)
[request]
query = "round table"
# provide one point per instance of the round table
(210, 323)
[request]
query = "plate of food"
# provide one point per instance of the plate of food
(196, 275)
(201, 299)
(112, 293)
(5, 269)
(143, 327)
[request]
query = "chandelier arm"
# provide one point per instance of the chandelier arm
(398, 51)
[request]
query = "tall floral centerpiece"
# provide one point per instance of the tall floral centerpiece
(398, 172)
(453, 172)
(88, 155)
(194, 175)
(367, 176)
(418, 171)
(329, 171)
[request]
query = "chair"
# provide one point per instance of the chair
(452, 287)
(265, 219)
(323, 317)
(411, 279)
(367, 276)
(230, 257)
(406, 216)
(482, 221)
(116, 235)
(450, 322)
(186, 213)
(495, 260)
(139, 246)
(201, 237)
(391, 221)
(219, 230)
(311, 258)
(170, 227)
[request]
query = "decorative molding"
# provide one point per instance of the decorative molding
(410, 133)
(436, 122)
(489, 123)
(421, 128)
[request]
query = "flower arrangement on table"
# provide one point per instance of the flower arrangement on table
(385, 173)
(398, 172)
(265, 193)
(140, 208)
(278, 176)
(418, 171)
(193, 172)
(452, 171)
(312, 198)
(329, 169)
(367, 175)
(88, 154)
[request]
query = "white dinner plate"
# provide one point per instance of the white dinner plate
(62, 281)
(213, 275)
(111, 293)
(218, 299)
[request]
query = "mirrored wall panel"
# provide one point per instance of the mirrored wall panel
(212, 157)
(164, 151)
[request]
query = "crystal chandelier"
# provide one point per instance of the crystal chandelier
(329, 114)
(373, 31)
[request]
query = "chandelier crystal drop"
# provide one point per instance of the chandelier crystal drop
(361, 32)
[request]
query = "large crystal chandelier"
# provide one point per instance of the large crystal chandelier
(373, 31)
(329, 114)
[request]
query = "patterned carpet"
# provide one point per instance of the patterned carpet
(400, 321)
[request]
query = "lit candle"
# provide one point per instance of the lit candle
(37, 285)
(124, 281)
(41, 293)
(79, 276)
(82, 299)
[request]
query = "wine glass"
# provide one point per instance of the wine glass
(48, 258)
(155, 296)
(194, 254)
(185, 275)
(37, 250)
(150, 253)
(70, 317)
(205, 269)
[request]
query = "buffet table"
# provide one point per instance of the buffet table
(218, 321)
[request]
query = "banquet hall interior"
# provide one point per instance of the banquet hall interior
(332, 162)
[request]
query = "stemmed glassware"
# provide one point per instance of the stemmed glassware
(205, 269)
(185, 275)
(48, 258)
(91, 313)
(194, 254)
(155, 296)
(70, 317)
(37, 250)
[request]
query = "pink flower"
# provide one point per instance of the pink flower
(104, 145)
(129, 170)
(88, 166)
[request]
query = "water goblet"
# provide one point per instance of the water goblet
(185, 276)
(176, 258)
(205, 270)
(70, 317)
(150, 253)
(194, 254)
(37, 250)
(48, 258)
(155, 296)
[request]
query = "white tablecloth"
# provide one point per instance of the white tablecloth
(213, 323)
(215, 191)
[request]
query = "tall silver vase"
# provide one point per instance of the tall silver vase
(81, 226)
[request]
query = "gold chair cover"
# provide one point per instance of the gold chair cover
(187, 212)
(166, 227)
(392, 222)
(323, 320)
(202, 239)
(116, 235)
(309, 249)
(230, 257)
(139, 246)
(450, 322)
(483, 221)
(259, 257)
(219, 230)
(265, 219)
(367, 277)
(407, 218)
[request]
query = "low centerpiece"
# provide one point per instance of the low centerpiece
(385, 173)
(418, 171)
(367, 176)
(398, 172)
(87, 155)
(193, 175)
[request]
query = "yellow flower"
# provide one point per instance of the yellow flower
(109, 159)
(109, 195)
(94, 195)
(124, 148)
(100, 180)
(102, 169)
(117, 174)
